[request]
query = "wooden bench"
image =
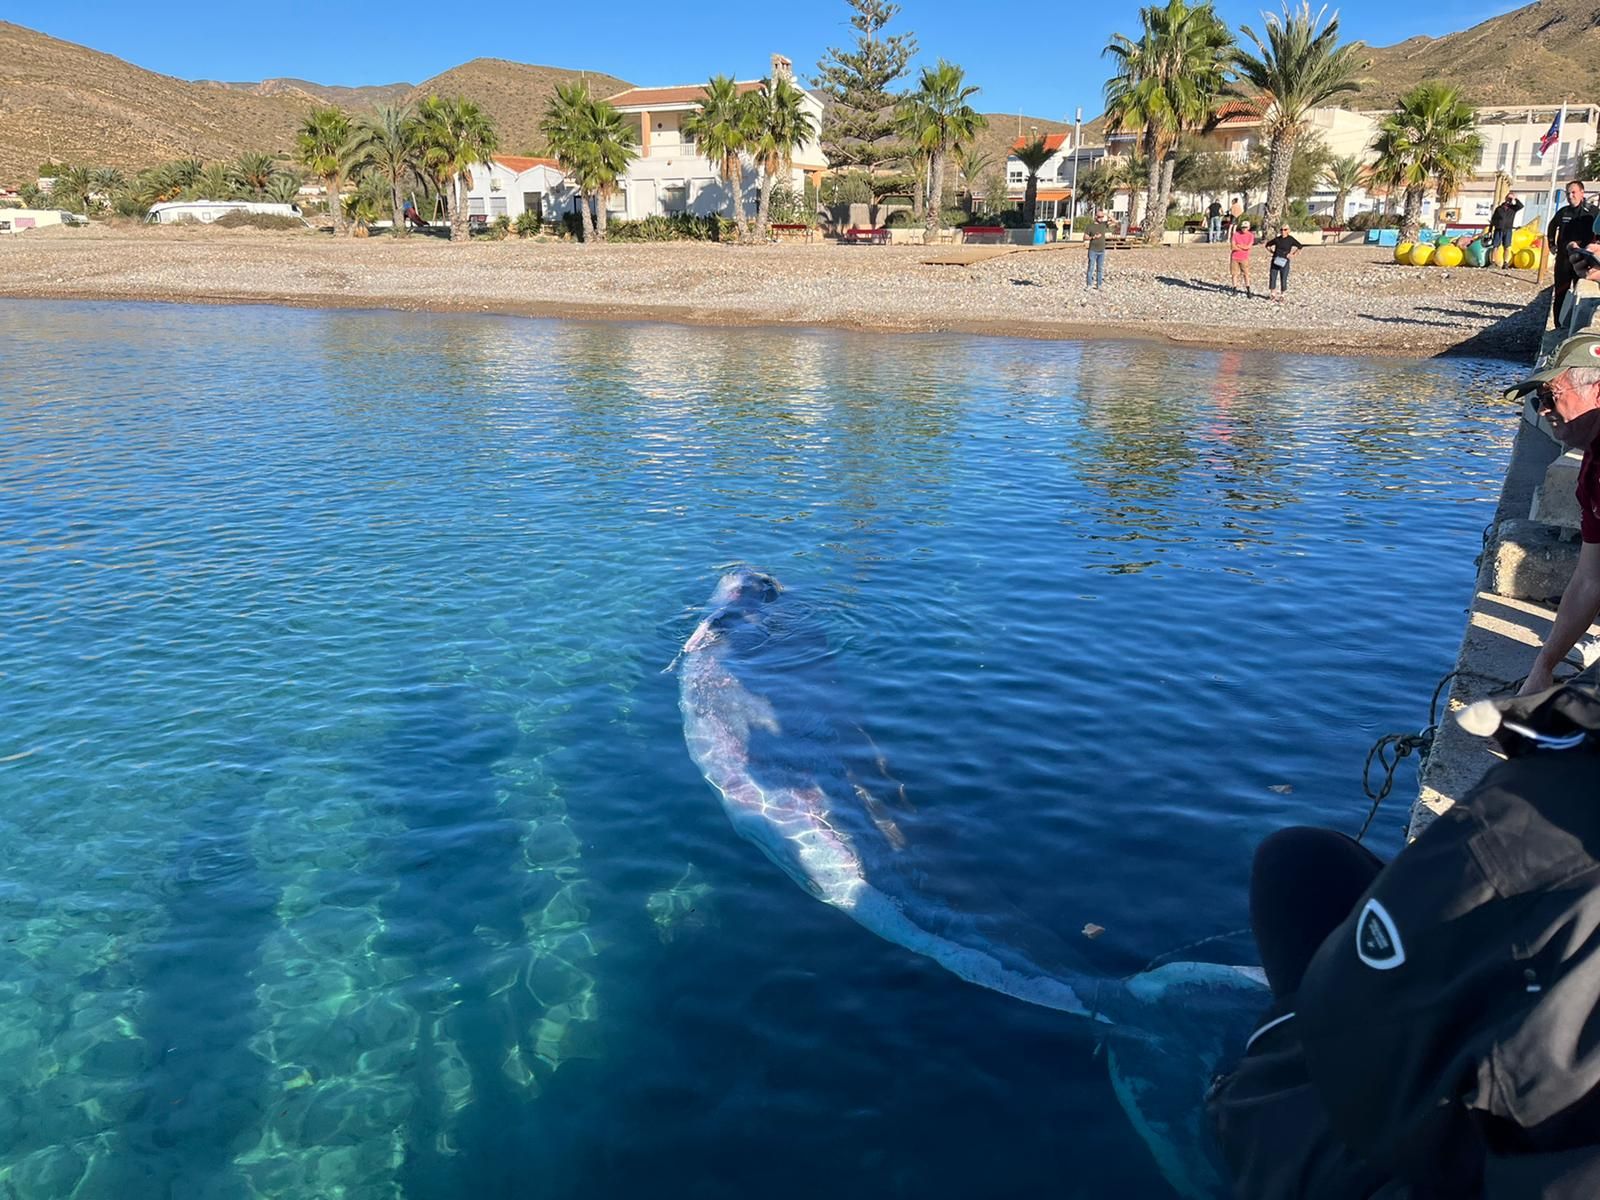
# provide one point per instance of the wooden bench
(792, 230)
(976, 234)
(856, 236)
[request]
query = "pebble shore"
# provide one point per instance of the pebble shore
(1343, 299)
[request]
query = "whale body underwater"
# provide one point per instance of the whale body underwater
(1166, 1030)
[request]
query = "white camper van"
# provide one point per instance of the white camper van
(206, 211)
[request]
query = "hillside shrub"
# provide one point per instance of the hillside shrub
(250, 220)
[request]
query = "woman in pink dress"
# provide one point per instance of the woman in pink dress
(1239, 261)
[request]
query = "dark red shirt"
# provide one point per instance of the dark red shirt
(1589, 494)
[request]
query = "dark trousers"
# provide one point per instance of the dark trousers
(1563, 282)
(1303, 883)
(1278, 277)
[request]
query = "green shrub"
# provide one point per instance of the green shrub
(249, 220)
(528, 224)
(788, 207)
(1372, 220)
(681, 227)
(1299, 215)
(500, 228)
(900, 218)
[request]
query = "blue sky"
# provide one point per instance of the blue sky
(1040, 63)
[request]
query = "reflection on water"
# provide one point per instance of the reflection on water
(351, 845)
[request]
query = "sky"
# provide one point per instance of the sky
(1045, 64)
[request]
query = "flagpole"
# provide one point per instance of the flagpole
(1555, 165)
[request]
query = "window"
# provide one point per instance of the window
(533, 202)
(674, 197)
(475, 206)
(1500, 163)
(497, 206)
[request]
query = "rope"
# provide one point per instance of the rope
(1393, 748)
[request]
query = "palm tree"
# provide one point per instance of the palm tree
(284, 187)
(721, 133)
(216, 182)
(1099, 184)
(1166, 84)
(456, 134)
(937, 120)
(612, 146)
(1344, 175)
(322, 148)
(779, 125)
(365, 204)
(1032, 155)
(566, 127)
(71, 189)
(972, 164)
(1428, 138)
(254, 171)
(389, 142)
(1297, 66)
(107, 181)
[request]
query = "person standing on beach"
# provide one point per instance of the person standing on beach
(1573, 224)
(1502, 224)
(1235, 214)
(1094, 273)
(1239, 258)
(1214, 222)
(1282, 248)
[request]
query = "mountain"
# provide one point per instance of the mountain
(67, 103)
(515, 94)
(304, 92)
(1540, 54)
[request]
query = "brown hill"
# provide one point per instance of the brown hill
(515, 94)
(1540, 54)
(68, 103)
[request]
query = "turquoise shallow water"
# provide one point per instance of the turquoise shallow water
(352, 845)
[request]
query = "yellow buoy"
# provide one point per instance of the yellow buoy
(1524, 260)
(1421, 254)
(1447, 255)
(1522, 239)
(1402, 253)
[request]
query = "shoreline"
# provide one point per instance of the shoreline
(1348, 300)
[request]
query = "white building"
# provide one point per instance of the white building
(509, 185)
(669, 176)
(17, 220)
(1510, 147)
(1057, 177)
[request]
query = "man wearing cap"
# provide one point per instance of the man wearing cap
(1567, 394)
(1434, 1033)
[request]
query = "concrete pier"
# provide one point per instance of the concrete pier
(1529, 552)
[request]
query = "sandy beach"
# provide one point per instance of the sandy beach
(1343, 299)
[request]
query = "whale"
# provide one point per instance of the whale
(762, 735)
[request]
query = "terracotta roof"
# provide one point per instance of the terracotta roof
(688, 95)
(520, 163)
(1052, 141)
(1237, 112)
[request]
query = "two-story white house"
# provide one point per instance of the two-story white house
(670, 176)
(1056, 177)
(509, 185)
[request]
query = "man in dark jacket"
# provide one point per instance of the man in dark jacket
(1502, 224)
(1443, 1039)
(1573, 224)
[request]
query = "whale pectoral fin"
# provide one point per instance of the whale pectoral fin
(880, 817)
(897, 790)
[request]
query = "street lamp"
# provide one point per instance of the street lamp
(1077, 138)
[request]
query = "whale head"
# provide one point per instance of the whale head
(744, 589)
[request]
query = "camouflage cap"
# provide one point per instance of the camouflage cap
(1581, 350)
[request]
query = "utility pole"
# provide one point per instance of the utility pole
(1077, 139)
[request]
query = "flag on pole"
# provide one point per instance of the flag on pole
(1551, 135)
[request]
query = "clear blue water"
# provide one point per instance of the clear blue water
(352, 848)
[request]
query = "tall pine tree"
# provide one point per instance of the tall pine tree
(859, 129)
